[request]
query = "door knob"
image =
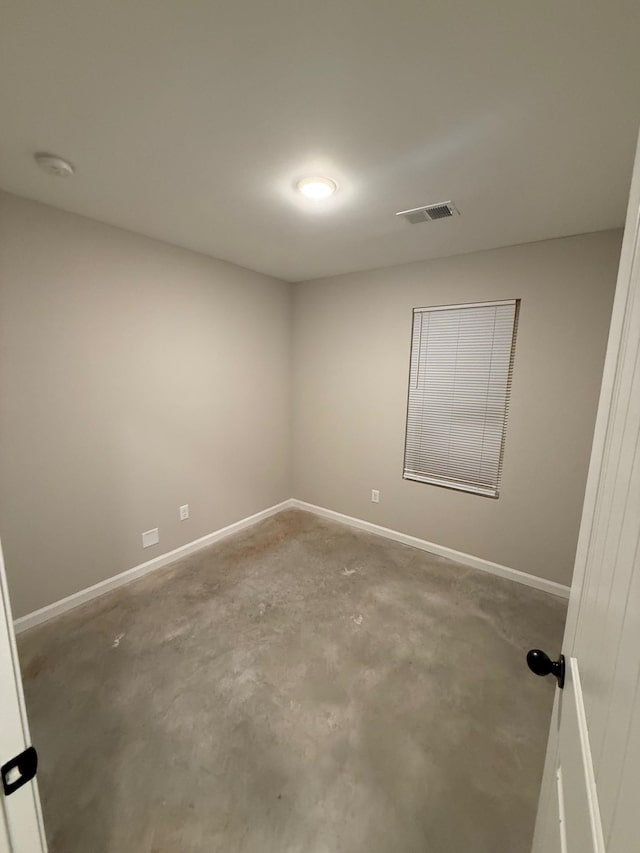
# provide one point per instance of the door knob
(540, 663)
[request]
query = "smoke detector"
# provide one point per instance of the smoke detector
(430, 212)
(53, 165)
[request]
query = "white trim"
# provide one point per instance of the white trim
(587, 759)
(457, 305)
(21, 826)
(100, 588)
(441, 550)
(627, 290)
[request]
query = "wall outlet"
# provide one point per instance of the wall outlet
(150, 537)
(184, 512)
(375, 496)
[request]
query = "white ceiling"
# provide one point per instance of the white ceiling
(190, 120)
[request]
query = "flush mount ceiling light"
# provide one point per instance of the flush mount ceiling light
(54, 165)
(317, 188)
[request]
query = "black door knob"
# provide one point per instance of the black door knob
(540, 663)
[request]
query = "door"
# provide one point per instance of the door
(21, 828)
(589, 800)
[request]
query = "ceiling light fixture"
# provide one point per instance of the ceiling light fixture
(317, 188)
(54, 165)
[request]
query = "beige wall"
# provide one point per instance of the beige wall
(134, 377)
(350, 375)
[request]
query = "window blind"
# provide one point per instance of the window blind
(459, 387)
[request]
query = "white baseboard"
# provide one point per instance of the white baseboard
(459, 556)
(100, 588)
(84, 595)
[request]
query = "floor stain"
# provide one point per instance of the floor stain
(34, 666)
(401, 733)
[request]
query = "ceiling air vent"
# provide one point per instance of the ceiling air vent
(442, 210)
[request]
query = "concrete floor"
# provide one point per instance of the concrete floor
(299, 688)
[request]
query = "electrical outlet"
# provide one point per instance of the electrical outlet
(375, 496)
(184, 512)
(150, 537)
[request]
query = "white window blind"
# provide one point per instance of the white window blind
(459, 387)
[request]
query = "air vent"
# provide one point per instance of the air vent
(442, 210)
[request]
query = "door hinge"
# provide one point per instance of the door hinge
(19, 770)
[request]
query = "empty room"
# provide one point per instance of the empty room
(319, 426)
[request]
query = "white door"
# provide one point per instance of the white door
(21, 828)
(590, 798)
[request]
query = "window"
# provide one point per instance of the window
(459, 386)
